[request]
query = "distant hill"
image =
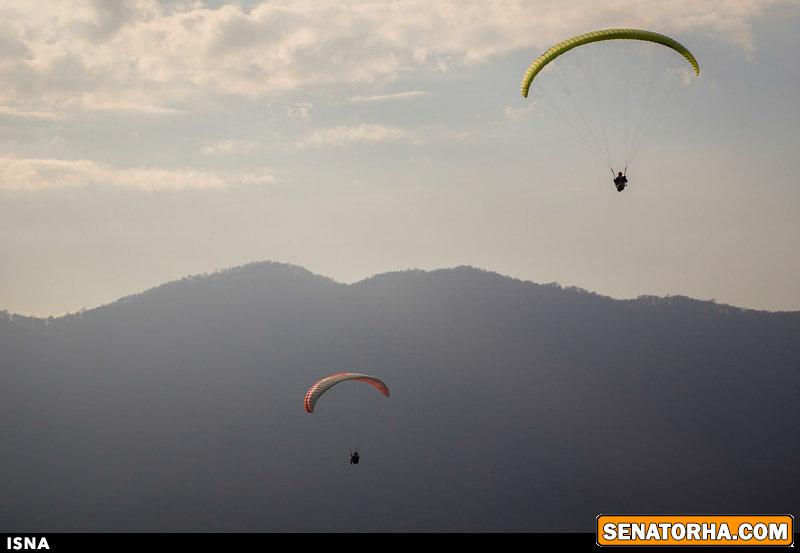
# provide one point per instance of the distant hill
(515, 406)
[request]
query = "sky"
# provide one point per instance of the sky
(144, 141)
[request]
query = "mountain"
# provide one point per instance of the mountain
(515, 406)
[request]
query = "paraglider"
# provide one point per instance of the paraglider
(620, 181)
(323, 385)
(596, 36)
(319, 388)
(612, 96)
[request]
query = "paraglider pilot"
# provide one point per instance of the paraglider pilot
(354, 458)
(620, 181)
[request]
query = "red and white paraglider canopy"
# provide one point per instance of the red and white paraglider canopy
(323, 385)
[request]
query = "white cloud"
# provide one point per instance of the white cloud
(384, 97)
(520, 113)
(102, 102)
(151, 56)
(258, 179)
(230, 147)
(35, 174)
(301, 110)
(338, 136)
(30, 114)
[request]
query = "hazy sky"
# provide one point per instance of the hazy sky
(143, 141)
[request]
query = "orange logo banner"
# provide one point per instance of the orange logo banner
(694, 530)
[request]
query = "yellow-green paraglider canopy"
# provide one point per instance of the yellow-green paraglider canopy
(596, 36)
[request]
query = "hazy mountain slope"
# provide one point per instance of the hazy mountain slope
(514, 406)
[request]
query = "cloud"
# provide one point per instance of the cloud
(98, 102)
(36, 174)
(384, 97)
(151, 56)
(258, 179)
(339, 136)
(230, 147)
(25, 114)
(520, 113)
(301, 110)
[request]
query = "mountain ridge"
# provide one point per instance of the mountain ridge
(258, 267)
